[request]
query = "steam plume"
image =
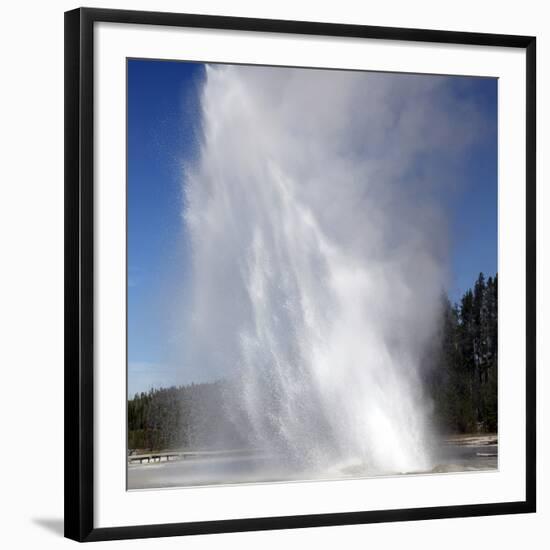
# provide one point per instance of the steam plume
(319, 255)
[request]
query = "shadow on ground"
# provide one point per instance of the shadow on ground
(53, 525)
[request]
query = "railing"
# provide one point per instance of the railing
(167, 456)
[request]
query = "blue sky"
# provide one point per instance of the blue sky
(163, 124)
(162, 129)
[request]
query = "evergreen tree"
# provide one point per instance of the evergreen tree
(464, 381)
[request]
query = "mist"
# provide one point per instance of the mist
(319, 252)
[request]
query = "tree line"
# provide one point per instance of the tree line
(194, 416)
(461, 381)
(464, 374)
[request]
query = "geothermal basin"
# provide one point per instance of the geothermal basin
(458, 454)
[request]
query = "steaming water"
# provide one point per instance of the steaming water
(318, 260)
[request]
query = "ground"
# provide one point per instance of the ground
(464, 453)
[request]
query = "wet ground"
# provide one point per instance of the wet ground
(457, 454)
(468, 453)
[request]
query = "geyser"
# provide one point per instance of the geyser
(318, 258)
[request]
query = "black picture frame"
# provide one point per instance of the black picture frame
(79, 272)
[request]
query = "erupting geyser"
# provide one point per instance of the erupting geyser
(319, 259)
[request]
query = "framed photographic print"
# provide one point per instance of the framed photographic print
(300, 274)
